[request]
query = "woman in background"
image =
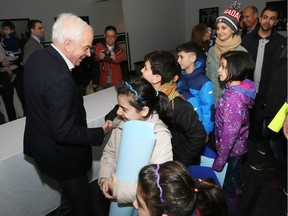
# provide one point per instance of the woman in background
(201, 36)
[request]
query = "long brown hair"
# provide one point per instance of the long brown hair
(197, 35)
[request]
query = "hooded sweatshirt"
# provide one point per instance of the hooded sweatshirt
(197, 89)
(232, 122)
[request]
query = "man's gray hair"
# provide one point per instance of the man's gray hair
(69, 27)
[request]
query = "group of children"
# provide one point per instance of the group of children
(180, 102)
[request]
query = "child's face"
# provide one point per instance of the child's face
(140, 205)
(7, 31)
(186, 61)
(224, 32)
(147, 73)
(222, 71)
(126, 111)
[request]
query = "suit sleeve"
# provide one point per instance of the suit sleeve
(64, 105)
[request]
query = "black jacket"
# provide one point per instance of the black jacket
(276, 93)
(56, 134)
(271, 55)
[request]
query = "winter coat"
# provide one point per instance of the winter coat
(125, 192)
(188, 134)
(115, 67)
(213, 64)
(272, 53)
(232, 122)
(197, 89)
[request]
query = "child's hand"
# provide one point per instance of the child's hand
(107, 127)
(107, 187)
(106, 191)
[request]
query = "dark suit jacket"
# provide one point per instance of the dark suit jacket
(31, 46)
(56, 134)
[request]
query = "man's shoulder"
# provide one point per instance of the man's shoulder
(30, 42)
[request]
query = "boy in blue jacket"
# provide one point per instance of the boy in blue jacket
(195, 86)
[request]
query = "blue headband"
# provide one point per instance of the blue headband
(134, 91)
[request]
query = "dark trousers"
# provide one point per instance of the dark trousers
(102, 205)
(7, 92)
(256, 121)
(233, 183)
(18, 84)
(276, 144)
(76, 197)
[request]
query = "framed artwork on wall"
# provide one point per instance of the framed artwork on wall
(282, 17)
(208, 16)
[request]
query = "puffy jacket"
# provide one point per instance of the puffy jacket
(232, 122)
(126, 192)
(197, 89)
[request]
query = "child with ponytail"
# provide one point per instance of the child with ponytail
(137, 100)
(169, 190)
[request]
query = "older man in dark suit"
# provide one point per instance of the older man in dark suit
(37, 35)
(56, 134)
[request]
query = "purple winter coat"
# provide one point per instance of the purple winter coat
(232, 122)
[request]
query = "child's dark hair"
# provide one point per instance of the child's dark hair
(8, 24)
(168, 188)
(188, 47)
(239, 65)
(164, 64)
(141, 93)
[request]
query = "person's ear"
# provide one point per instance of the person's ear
(193, 57)
(157, 79)
(175, 78)
(144, 111)
(67, 45)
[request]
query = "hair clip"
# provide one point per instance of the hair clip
(159, 186)
(134, 91)
(197, 185)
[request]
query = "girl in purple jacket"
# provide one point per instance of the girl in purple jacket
(232, 120)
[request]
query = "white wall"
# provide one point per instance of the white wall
(153, 25)
(100, 14)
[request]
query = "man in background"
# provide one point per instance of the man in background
(250, 20)
(265, 45)
(37, 35)
(109, 55)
